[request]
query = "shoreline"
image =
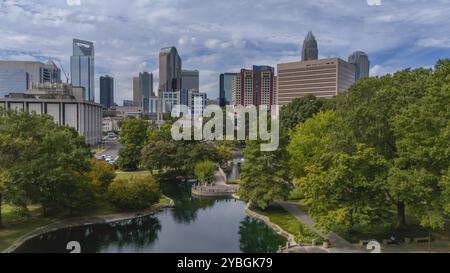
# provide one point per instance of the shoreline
(276, 228)
(87, 221)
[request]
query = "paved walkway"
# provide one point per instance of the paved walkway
(338, 244)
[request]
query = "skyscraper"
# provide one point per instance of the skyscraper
(226, 82)
(107, 91)
(190, 80)
(145, 88)
(169, 70)
(17, 76)
(136, 90)
(310, 49)
(82, 67)
(362, 64)
(255, 87)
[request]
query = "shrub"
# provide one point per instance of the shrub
(135, 193)
(205, 171)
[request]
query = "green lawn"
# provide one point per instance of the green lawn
(233, 182)
(289, 223)
(130, 175)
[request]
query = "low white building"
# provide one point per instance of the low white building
(111, 124)
(62, 102)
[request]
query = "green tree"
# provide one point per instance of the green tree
(205, 171)
(2, 189)
(159, 155)
(101, 175)
(134, 132)
(422, 133)
(133, 194)
(44, 163)
(264, 176)
(301, 109)
(129, 158)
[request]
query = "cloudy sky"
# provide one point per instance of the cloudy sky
(218, 36)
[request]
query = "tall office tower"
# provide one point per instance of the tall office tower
(82, 67)
(145, 88)
(226, 81)
(255, 87)
(18, 76)
(136, 90)
(321, 78)
(169, 70)
(362, 64)
(310, 50)
(107, 91)
(190, 80)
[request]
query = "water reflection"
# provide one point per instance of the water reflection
(193, 225)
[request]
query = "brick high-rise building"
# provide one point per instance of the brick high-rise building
(255, 87)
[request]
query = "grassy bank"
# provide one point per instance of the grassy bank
(233, 182)
(289, 223)
(17, 225)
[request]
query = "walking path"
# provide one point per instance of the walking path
(338, 244)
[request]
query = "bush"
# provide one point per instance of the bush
(101, 175)
(134, 194)
(205, 171)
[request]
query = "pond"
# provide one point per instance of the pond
(193, 225)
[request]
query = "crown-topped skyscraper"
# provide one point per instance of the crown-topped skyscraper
(310, 50)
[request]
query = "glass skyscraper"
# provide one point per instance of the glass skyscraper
(82, 67)
(362, 64)
(310, 50)
(226, 82)
(107, 91)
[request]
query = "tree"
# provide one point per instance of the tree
(2, 188)
(301, 109)
(129, 158)
(101, 175)
(158, 155)
(264, 176)
(422, 133)
(134, 132)
(133, 194)
(31, 146)
(205, 171)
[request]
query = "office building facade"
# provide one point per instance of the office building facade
(362, 64)
(170, 76)
(225, 92)
(321, 78)
(136, 90)
(107, 91)
(190, 80)
(18, 76)
(145, 88)
(255, 87)
(66, 106)
(82, 67)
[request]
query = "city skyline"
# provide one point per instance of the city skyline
(215, 44)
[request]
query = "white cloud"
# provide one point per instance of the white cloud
(222, 36)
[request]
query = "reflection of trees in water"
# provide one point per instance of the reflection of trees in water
(136, 232)
(256, 237)
(186, 210)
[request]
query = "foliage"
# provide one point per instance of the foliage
(129, 159)
(387, 142)
(136, 193)
(101, 175)
(44, 163)
(134, 132)
(264, 176)
(205, 171)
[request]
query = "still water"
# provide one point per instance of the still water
(194, 225)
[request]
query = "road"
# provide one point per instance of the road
(112, 149)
